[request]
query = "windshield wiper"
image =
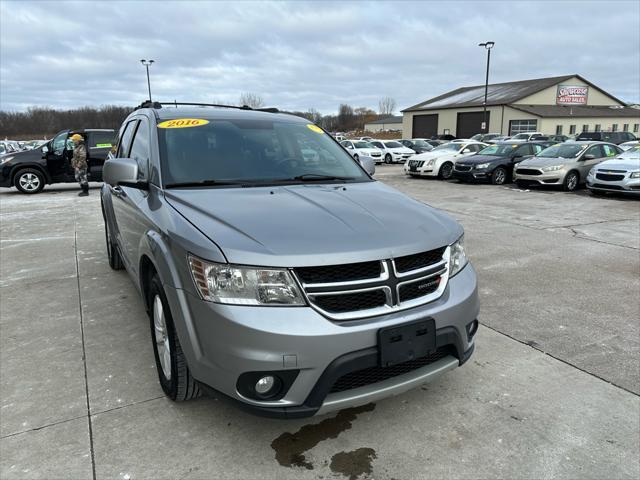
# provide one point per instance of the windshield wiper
(316, 177)
(204, 183)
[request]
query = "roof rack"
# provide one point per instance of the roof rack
(158, 105)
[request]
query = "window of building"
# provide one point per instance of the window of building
(585, 128)
(558, 129)
(625, 127)
(522, 126)
(614, 128)
(636, 127)
(572, 129)
(598, 127)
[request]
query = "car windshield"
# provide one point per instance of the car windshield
(364, 145)
(477, 136)
(562, 151)
(393, 144)
(422, 144)
(449, 146)
(633, 152)
(522, 136)
(251, 151)
(497, 150)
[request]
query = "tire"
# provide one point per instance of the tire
(571, 181)
(446, 171)
(113, 254)
(499, 176)
(356, 157)
(29, 181)
(387, 159)
(173, 373)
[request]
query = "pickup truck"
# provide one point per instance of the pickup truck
(30, 170)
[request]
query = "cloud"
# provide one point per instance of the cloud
(304, 55)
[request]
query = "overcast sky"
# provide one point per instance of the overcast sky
(305, 55)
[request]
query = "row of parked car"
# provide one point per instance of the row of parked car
(15, 146)
(601, 166)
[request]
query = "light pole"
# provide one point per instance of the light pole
(488, 46)
(147, 63)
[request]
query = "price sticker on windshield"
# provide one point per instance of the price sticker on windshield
(183, 123)
(314, 128)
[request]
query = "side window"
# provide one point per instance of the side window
(377, 144)
(475, 147)
(59, 143)
(596, 151)
(524, 150)
(609, 151)
(537, 149)
(125, 140)
(140, 149)
(101, 140)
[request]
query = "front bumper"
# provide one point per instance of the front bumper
(543, 178)
(472, 175)
(626, 185)
(222, 342)
(5, 176)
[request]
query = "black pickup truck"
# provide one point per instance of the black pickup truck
(29, 171)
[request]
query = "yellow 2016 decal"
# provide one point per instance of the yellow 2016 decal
(183, 123)
(314, 128)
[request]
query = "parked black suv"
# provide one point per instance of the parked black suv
(495, 163)
(30, 170)
(611, 137)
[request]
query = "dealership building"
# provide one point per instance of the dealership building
(388, 123)
(557, 105)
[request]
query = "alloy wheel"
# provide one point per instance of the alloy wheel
(500, 176)
(29, 182)
(161, 337)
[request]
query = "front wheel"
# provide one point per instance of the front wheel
(29, 180)
(499, 176)
(387, 159)
(446, 171)
(174, 375)
(571, 182)
(113, 255)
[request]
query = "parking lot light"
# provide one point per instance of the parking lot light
(147, 63)
(488, 46)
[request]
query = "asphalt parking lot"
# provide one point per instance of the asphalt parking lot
(551, 391)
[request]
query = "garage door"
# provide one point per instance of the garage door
(425, 126)
(470, 123)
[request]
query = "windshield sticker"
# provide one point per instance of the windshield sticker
(314, 128)
(103, 145)
(183, 123)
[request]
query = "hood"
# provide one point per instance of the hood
(544, 161)
(33, 155)
(305, 225)
(477, 159)
(620, 164)
(400, 150)
(434, 154)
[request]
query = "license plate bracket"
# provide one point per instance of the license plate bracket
(409, 341)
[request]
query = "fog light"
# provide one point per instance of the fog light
(265, 385)
(472, 328)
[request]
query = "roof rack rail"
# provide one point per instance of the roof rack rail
(157, 105)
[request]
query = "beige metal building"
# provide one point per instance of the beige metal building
(389, 123)
(557, 105)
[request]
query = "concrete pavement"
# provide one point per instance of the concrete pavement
(552, 390)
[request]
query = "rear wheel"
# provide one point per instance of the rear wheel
(29, 180)
(571, 182)
(174, 375)
(499, 176)
(446, 171)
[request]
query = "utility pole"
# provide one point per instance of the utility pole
(488, 46)
(147, 63)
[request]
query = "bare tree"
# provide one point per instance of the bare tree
(252, 100)
(386, 106)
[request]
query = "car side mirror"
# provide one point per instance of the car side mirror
(368, 163)
(588, 156)
(123, 172)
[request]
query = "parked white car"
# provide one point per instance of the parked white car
(359, 148)
(629, 145)
(439, 161)
(526, 137)
(393, 151)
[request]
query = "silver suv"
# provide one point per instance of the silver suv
(292, 283)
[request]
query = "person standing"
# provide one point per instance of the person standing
(79, 163)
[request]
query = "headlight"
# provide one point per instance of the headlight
(634, 175)
(4, 160)
(457, 257)
(431, 162)
(232, 284)
(482, 165)
(592, 172)
(552, 168)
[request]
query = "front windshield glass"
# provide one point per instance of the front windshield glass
(393, 144)
(253, 152)
(497, 150)
(449, 146)
(522, 136)
(631, 152)
(477, 136)
(562, 151)
(364, 145)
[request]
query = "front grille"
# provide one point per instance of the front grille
(419, 260)
(351, 302)
(462, 168)
(371, 375)
(607, 177)
(416, 163)
(527, 171)
(340, 273)
(376, 154)
(413, 290)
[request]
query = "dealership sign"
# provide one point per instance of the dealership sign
(572, 95)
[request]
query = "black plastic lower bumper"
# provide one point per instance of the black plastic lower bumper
(350, 362)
